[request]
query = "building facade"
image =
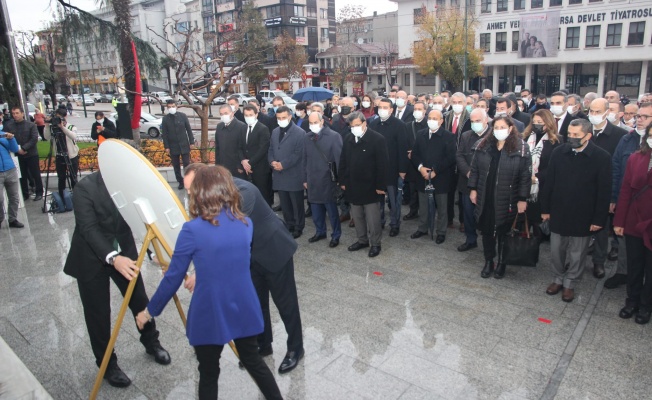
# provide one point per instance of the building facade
(376, 28)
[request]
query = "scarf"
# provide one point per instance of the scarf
(535, 150)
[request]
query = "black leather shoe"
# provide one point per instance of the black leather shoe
(642, 318)
(613, 254)
(627, 312)
(316, 238)
(598, 271)
(488, 269)
(394, 232)
(290, 361)
(334, 243)
(16, 224)
(38, 197)
(467, 246)
(161, 355)
(277, 208)
(357, 246)
(499, 273)
(297, 234)
(374, 251)
(116, 377)
(180, 186)
(615, 281)
(410, 216)
(440, 239)
(418, 234)
(265, 350)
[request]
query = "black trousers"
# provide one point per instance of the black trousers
(413, 196)
(185, 159)
(639, 273)
(41, 129)
(62, 172)
(294, 214)
(490, 242)
(263, 181)
(283, 288)
(209, 368)
(29, 168)
(96, 300)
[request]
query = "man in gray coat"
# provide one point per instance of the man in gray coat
(285, 156)
(177, 139)
(323, 147)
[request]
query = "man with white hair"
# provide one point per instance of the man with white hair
(487, 94)
(227, 141)
(612, 96)
(403, 110)
(588, 98)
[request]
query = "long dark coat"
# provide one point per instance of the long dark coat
(393, 130)
(227, 146)
(177, 133)
(436, 153)
(289, 152)
(321, 189)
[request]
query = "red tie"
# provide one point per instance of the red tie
(455, 124)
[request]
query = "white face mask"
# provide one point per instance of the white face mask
(251, 121)
(631, 122)
(233, 108)
(357, 131)
(299, 114)
(308, 112)
(501, 134)
(520, 109)
(596, 119)
(366, 104)
(649, 142)
(437, 107)
(418, 115)
(611, 117)
(172, 110)
(226, 119)
(641, 132)
(383, 114)
(339, 109)
(283, 123)
(400, 103)
(557, 110)
(477, 127)
(355, 104)
(100, 121)
(315, 128)
(570, 109)
(433, 125)
(445, 100)
(393, 100)
(500, 114)
(458, 108)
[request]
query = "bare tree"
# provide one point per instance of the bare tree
(349, 23)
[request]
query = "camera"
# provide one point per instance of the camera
(55, 121)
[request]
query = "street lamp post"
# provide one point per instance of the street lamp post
(81, 84)
(466, 43)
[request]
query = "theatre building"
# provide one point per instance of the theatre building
(582, 45)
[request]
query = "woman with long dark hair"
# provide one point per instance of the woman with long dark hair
(224, 303)
(633, 219)
(500, 182)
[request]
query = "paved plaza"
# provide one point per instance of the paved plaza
(416, 322)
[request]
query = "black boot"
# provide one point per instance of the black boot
(500, 268)
(149, 339)
(488, 269)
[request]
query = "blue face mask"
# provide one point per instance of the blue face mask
(275, 108)
(469, 108)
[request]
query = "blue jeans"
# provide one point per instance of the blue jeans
(469, 220)
(319, 218)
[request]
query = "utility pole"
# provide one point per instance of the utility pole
(81, 84)
(466, 43)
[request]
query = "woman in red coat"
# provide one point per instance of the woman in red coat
(634, 219)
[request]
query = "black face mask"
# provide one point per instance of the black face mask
(346, 110)
(537, 128)
(576, 143)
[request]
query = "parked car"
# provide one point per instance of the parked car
(73, 97)
(243, 98)
(94, 96)
(216, 101)
(268, 95)
(105, 98)
(149, 124)
(31, 110)
(89, 101)
(60, 98)
(163, 97)
(289, 101)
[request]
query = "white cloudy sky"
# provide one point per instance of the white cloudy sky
(31, 14)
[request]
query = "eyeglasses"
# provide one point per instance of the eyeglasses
(640, 116)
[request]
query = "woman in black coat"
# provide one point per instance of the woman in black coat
(499, 185)
(542, 138)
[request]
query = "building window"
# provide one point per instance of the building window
(207, 5)
(485, 42)
(406, 79)
(208, 24)
(636, 32)
(515, 40)
(632, 80)
(418, 13)
(519, 4)
(183, 26)
(273, 11)
(573, 37)
(614, 31)
(536, 4)
(299, 11)
(485, 6)
(574, 1)
(312, 12)
(593, 36)
(272, 33)
(501, 41)
(312, 31)
(555, 3)
(502, 5)
(324, 32)
(441, 3)
(299, 31)
(323, 13)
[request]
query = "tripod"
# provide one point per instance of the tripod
(57, 141)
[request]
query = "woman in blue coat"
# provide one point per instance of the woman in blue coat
(224, 304)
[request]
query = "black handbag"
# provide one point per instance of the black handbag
(520, 247)
(332, 167)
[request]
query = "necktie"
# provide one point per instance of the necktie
(247, 138)
(557, 120)
(455, 124)
(597, 132)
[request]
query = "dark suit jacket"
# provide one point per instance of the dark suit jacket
(393, 130)
(407, 115)
(97, 224)
(227, 144)
(256, 148)
(272, 245)
(177, 133)
(269, 122)
(436, 152)
(522, 116)
(609, 138)
(463, 124)
(239, 115)
(563, 131)
(109, 131)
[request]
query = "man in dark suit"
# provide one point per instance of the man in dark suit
(235, 106)
(403, 110)
(419, 123)
(272, 271)
(434, 157)
(574, 107)
(253, 148)
(339, 123)
(363, 178)
(393, 130)
(285, 156)
(456, 122)
(262, 117)
(559, 110)
(227, 141)
(606, 136)
(318, 108)
(102, 249)
(525, 43)
(504, 107)
(177, 138)
(516, 113)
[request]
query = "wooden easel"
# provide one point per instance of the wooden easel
(156, 239)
